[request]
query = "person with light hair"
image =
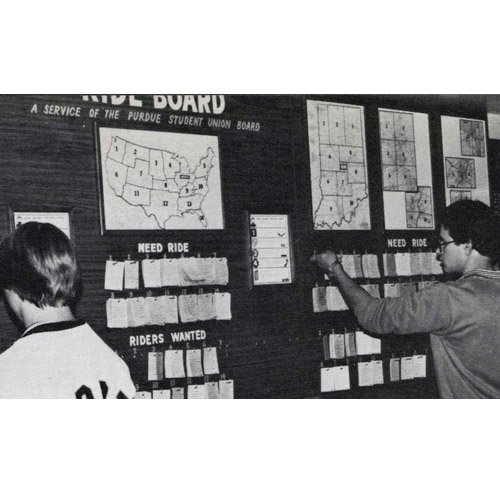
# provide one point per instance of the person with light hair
(57, 356)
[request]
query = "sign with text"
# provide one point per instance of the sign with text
(271, 252)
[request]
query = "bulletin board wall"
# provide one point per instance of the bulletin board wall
(271, 347)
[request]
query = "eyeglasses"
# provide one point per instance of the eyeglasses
(443, 244)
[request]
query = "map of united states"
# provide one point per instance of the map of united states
(163, 183)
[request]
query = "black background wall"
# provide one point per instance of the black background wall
(271, 348)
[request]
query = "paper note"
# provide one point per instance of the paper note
(155, 307)
(367, 345)
(226, 389)
(221, 271)
(207, 270)
(420, 366)
(155, 366)
(178, 393)
(143, 395)
(190, 272)
(116, 310)
(327, 380)
(407, 368)
(403, 264)
(358, 266)
(197, 392)
(342, 378)
(164, 394)
(131, 275)
(319, 299)
(365, 374)
(206, 307)
(188, 308)
(169, 269)
(174, 364)
(114, 275)
(193, 363)
(136, 312)
(416, 263)
(392, 290)
(213, 390)
(370, 266)
(389, 265)
(171, 309)
(151, 273)
(223, 306)
(350, 345)
(378, 372)
(349, 265)
(334, 299)
(337, 346)
(395, 369)
(210, 362)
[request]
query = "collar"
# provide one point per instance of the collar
(52, 327)
(482, 273)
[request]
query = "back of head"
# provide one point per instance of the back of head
(473, 221)
(38, 263)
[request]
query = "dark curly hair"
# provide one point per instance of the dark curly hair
(473, 221)
(38, 263)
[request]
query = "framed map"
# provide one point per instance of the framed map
(159, 181)
(465, 159)
(405, 153)
(339, 180)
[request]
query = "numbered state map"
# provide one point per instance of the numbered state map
(406, 170)
(340, 195)
(159, 180)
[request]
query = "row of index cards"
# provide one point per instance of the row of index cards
(163, 273)
(224, 389)
(371, 373)
(395, 264)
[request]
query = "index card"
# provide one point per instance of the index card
(395, 369)
(169, 269)
(426, 263)
(131, 274)
(370, 266)
(358, 267)
(114, 275)
(171, 309)
(327, 380)
(392, 290)
(319, 299)
(155, 307)
(188, 308)
(407, 368)
(193, 363)
(136, 312)
(337, 346)
(378, 372)
(143, 395)
(223, 306)
(116, 310)
(178, 393)
(221, 271)
(403, 265)
(420, 366)
(415, 263)
(164, 394)
(207, 270)
(350, 345)
(349, 265)
(366, 345)
(206, 306)
(191, 274)
(151, 273)
(213, 390)
(226, 389)
(174, 364)
(210, 362)
(389, 265)
(365, 374)
(197, 392)
(155, 366)
(334, 299)
(342, 378)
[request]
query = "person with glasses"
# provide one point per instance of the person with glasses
(461, 314)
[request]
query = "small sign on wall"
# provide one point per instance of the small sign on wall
(59, 219)
(271, 256)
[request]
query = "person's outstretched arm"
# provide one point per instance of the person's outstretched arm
(354, 295)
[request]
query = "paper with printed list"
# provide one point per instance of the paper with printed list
(155, 366)
(210, 362)
(116, 311)
(226, 388)
(174, 364)
(193, 363)
(151, 273)
(319, 299)
(169, 269)
(131, 275)
(113, 279)
(136, 312)
(188, 308)
(197, 392)
(223, 306)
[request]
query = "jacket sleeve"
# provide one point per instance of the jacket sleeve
(426, 311)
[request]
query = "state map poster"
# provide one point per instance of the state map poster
(465, 159)
(339, 181)
(405, 153)
(159, 181)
